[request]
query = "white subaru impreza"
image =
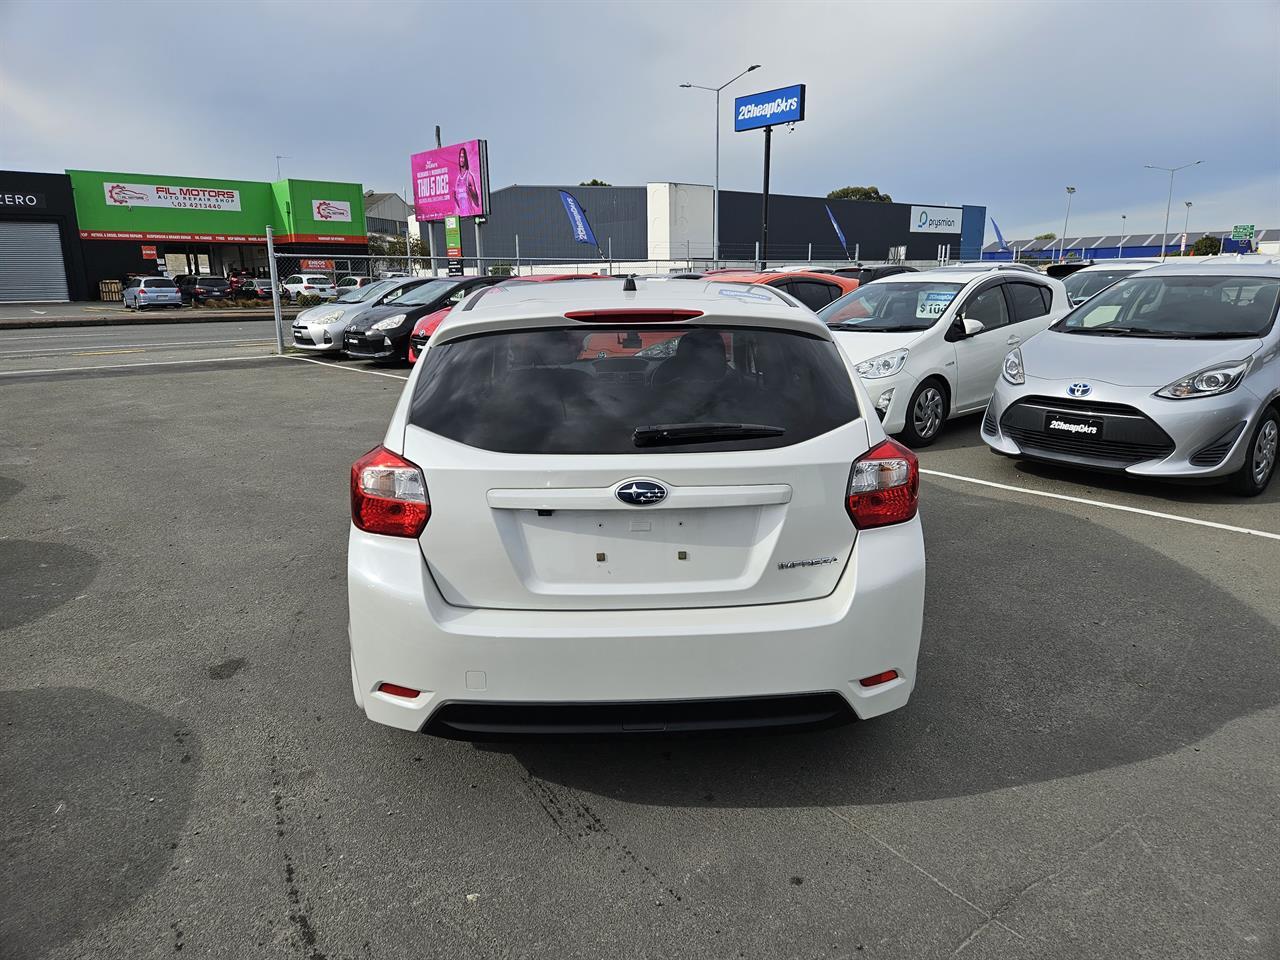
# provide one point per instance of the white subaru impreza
(632, 507)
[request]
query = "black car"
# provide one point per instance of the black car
(196, 288)
(254, 290)
(382, 333)
(867, 274)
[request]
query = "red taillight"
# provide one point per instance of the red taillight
(876, 679)
(388, 495)
(884, 486)
(398, 691)
(627, 315)
(306, 286)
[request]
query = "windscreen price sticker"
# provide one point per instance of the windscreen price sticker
(931, 304)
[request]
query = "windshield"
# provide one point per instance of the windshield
(1083, 285)
(432, 290)
(915, 305)
(367, 292)
(1179, 307)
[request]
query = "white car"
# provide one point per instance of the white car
(309, 285)
(555, 538)
(929, 345)
(1086, 282)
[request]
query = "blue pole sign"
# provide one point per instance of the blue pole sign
(756, 110)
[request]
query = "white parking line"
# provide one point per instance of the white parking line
(111, 345)
(334, 366)
(126, 366)
(1101, 503)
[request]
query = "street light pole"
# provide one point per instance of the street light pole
(1062, 244)
(1164, 237)
(1123, 217)
(715, 201)
(1185, 224)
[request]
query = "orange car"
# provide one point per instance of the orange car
(814, 290)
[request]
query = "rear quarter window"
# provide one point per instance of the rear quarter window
(586, 390)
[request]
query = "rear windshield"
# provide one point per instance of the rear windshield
(161, 283)
(213, 282)
(633, 389)
(1083, 285)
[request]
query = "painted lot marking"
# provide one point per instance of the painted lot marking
(51, 351)
(334, 366)
(1102, 503)
(126, 366)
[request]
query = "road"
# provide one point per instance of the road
(1087, 769)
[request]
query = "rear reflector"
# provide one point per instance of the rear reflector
(884, 486)
(876, 679)
(633, 315)
(388, 495)
(398, 691)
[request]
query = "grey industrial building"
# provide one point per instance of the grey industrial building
(673, 222)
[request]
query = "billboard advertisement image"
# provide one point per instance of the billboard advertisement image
(451, 181)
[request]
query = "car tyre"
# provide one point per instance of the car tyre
(1260, 457)
(926, 413)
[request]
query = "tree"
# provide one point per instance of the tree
(860, 193)
(1047, 236)
(1206, 246)
(593, 182)
(384, 246)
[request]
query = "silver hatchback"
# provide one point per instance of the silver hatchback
(1173, 373)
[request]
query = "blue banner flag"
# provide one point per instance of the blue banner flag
(839, 232)
(578, 219)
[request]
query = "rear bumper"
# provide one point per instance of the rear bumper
(677, 661)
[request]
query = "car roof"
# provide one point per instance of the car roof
(1137, 263)
(957, 275)
(526, 306)
(766, 276)
(1228, 266)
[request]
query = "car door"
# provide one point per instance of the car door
(978, 357)
(1029, 306)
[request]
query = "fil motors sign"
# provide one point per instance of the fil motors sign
(936, 219)
(755, 110)
(332, 211)
(171, 195)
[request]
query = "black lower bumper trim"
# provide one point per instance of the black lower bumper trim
(508, 721)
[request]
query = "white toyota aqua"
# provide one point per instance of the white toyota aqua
(566, 530)
(929, 345)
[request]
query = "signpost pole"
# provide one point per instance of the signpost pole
(517, 254)
(275, 291)
(764, 209)
(431, 245)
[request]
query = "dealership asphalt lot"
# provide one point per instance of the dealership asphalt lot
(1088, 767)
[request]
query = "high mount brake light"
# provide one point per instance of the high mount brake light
(884, 486)
(389, 495)
(633, 315)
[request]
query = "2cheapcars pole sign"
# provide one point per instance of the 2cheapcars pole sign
(756, 110)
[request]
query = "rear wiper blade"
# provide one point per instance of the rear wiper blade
(665, 434)
(1220, 335)
(1120, 332)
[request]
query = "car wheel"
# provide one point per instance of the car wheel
(926, 413)
(1260, 457)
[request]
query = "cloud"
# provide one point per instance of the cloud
(999, 104)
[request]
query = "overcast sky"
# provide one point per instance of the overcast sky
(1001, 104)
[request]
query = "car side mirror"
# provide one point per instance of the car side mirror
(971, 327)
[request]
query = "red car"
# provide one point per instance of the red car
(814, 290)
(426, 326)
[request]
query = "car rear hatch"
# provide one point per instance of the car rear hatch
(711, 474)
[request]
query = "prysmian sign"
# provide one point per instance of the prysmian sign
(755, 110)
(170, 195)
(936, 219)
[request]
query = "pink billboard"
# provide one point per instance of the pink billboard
(451, 181)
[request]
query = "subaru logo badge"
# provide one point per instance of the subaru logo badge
(640, 493)
(1079, 390)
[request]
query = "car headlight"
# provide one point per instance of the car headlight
(328, 318)
(1207, 382)
(885, 365)
(1012, 369)
(390, 323)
